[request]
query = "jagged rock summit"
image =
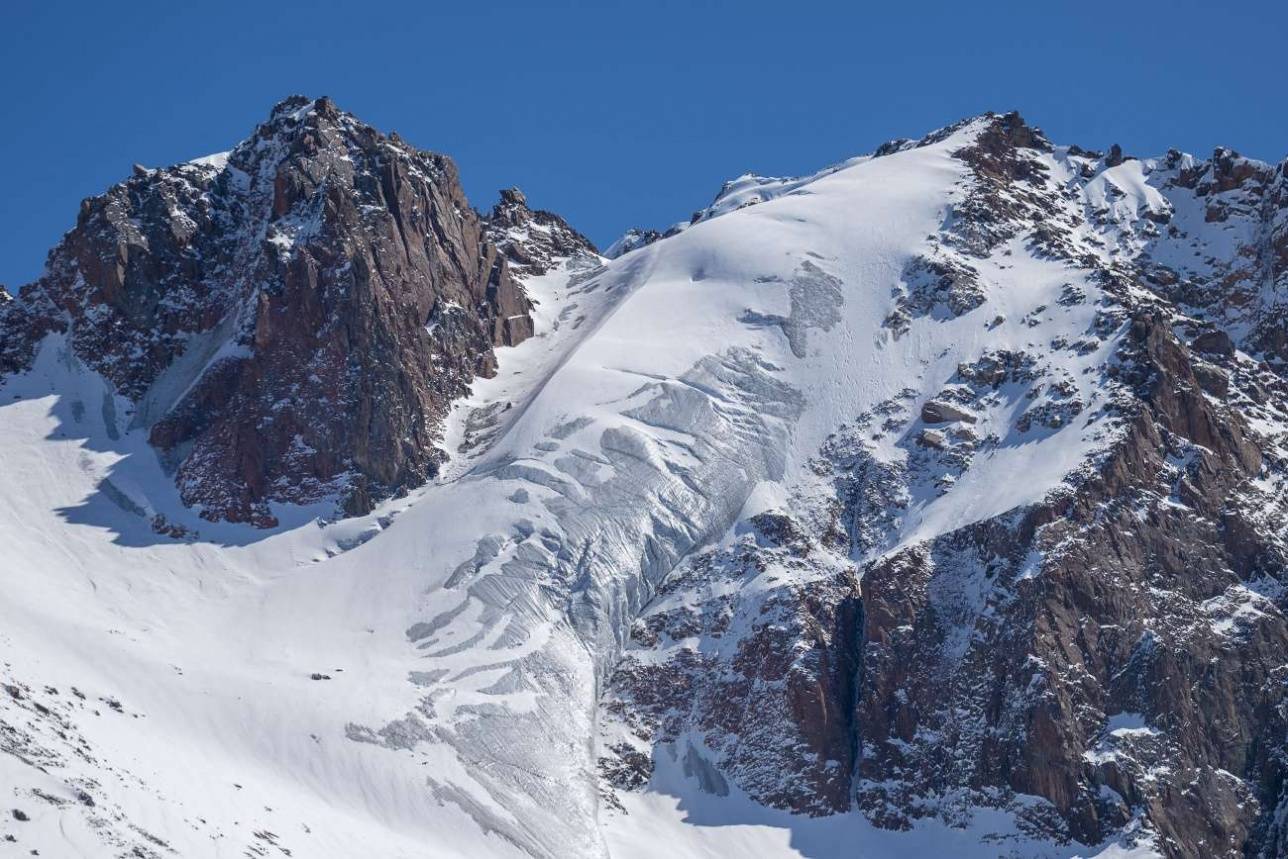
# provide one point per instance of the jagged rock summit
(932, 504)
(291, 319)
(534, 242)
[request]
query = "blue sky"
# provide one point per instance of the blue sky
(611, 114)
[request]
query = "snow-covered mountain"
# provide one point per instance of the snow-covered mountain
(933, 504)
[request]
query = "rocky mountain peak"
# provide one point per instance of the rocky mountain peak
(1012, 129)
(290, 320)
(533, 241)
(1053, 651)
(512, 198)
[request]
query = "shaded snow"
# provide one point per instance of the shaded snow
(694, 824)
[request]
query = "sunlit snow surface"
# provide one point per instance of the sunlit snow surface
(463, 629)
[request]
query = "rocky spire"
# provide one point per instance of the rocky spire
(533, 241)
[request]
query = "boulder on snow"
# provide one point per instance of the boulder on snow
(938, 412)
(932, 438)
(1215, 342)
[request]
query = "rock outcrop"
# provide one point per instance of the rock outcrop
(532, 241)
(291, 319)
(1122, 649)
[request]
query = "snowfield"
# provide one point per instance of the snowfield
(424, 681)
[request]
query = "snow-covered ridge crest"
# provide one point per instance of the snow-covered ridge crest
(752, 188)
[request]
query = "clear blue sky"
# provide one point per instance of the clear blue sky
(611, 114)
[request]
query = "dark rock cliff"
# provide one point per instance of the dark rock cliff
(292, 320)
(1125, 654)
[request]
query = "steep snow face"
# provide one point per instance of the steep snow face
(461, 637)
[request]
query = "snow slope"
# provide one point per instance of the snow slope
(698, 825)
(460, 635)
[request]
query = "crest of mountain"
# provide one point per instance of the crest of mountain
(534, 242)
(932, 504)
(632, 239)
(290, 320)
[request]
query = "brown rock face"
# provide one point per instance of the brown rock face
(935, 412)
(772, 699)
(1080, 650)
(292, 323)
(533, 241)
(1107, 664)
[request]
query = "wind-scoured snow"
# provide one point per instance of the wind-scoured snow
(218, 160)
